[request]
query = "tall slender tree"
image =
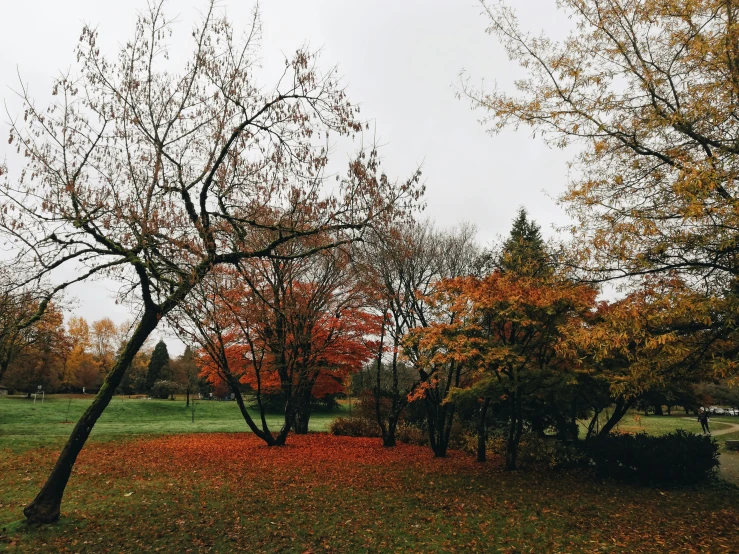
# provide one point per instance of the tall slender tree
(154, 176)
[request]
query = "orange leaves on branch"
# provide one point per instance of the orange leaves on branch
(498, 321)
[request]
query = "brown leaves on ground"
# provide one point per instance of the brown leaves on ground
(322, 493)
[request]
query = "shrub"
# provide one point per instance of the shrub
(411, 434)
(365, 427)
(531, 449)
(354, 427)
(165, 389)
(676, 458)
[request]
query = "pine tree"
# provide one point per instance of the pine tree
(158, 364)
(524, 251)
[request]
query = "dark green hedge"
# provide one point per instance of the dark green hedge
(675, 458)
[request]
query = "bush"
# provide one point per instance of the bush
(354, 427)
(165, 389)
(411, 434)
(365, 427)
(675, 458)
(531, 450)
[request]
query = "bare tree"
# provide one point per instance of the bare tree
(399, 268)
(153, 178)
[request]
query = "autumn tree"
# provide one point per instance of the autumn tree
(154, 176)
(105, 336)
(39, 359)
(660, 336)
(432, 257)
(649, 90)
(506, 330)
(397, 268)
(79, 332)
(82, 370)
(21, 307)
(291, 327)
(184, 371)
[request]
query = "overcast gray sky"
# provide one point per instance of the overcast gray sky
(400, 60)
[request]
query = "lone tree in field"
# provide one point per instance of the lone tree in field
(286, 328)
(158, 364)
(153, 177)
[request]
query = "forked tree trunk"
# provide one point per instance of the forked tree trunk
(45, 508)
(440, 417)
(263, 434)
(287, 425)
(592, 426)
(619, 411)
(388, 435)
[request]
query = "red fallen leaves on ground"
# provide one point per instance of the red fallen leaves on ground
(230, 492)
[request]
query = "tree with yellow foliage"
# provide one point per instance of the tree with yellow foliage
(650, 90)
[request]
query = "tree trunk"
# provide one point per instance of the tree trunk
(440, 417)
(511, 455)
(302, 413)
(482, 434)
(515, 431)
(537, 425)
(187, 397)
(378, 390)
(265, 436)
(302, 418)
(45, 508)
(388, 435)
(622, 406)
(593, 423)
(288, 423)
(574, 427)
(658, 409)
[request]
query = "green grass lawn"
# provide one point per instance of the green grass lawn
(636, 422)
(151, 479)
(24, 424)
(229, 493)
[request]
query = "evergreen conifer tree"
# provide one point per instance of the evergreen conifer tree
(524, 251)
(158, 365)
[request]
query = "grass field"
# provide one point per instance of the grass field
(152, 480)
(228, 493)
(24, 424)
